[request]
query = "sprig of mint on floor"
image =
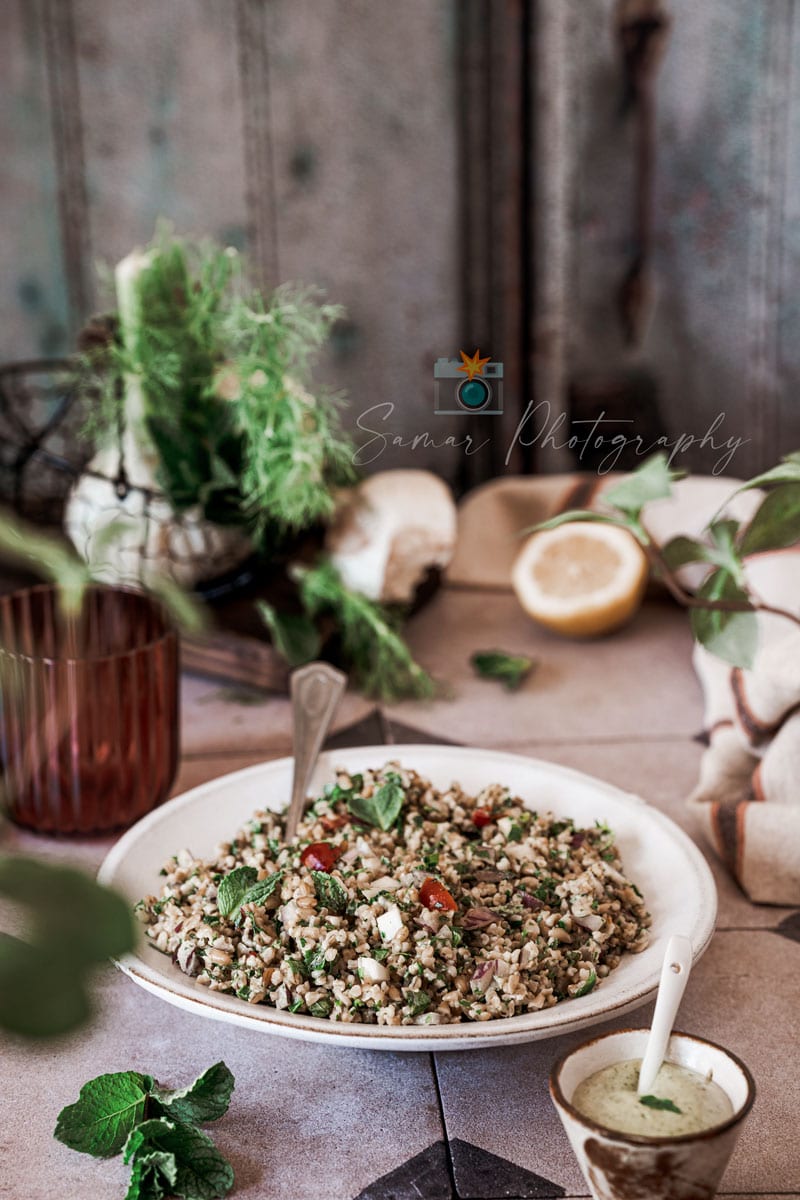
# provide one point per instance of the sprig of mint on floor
(509, 669)
(156, 1130)
(723, 610)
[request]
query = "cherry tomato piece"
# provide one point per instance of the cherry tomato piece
(333, 822)
(320, 856)
(435, 895)
(481, 817)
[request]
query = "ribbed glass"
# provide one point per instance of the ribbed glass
(89, 724)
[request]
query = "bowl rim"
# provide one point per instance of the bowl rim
(640, 1139)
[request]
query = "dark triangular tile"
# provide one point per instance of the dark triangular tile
(369, 731)
(426, 1175)
(399, 733)
(480, 1175)
(790, 926)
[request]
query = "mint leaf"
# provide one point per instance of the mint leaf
(731, 636)
(330, 893)
(382, 808)
(294, 636)
(588, 986)
(509, 669)
(652, 481)
(418, 1002)
(657, 1102)
(262, 890)
(153, 1176)
(107, 1109)
(201, 1172)
(206, 1099)
(776, 523)
(233, 889)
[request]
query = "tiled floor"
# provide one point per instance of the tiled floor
(312, 1123)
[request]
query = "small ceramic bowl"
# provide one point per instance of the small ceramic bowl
(625, 1166)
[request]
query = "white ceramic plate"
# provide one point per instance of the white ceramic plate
(671, 872)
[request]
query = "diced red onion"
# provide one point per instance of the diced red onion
(529, 901)
(577, 840)
(483, 975)
(479, 918)
(187, 959)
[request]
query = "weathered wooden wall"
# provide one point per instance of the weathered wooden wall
(321, 138)
(383, 150)
(724, 334)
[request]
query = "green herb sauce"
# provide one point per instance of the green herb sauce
(610, 1098)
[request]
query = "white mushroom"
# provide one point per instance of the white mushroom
(389, 530)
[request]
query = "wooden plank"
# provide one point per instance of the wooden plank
(162, 116)
(363, 124)
(787, 409)
(34, 307)
(719, 191)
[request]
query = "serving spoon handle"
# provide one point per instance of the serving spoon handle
(674, 976)
(315, 692)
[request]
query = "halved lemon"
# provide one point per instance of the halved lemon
(581, 579)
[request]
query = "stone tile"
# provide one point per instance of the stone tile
(637, 683)
(498, 1100)
(663, 773)
(306, 1121)
(239, 719)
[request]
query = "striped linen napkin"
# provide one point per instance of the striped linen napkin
(747, 799)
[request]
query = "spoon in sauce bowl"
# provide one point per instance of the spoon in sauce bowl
(674, 977)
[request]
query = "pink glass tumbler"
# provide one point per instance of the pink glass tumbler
(89, 725)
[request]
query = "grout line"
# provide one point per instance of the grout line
(439, 1101)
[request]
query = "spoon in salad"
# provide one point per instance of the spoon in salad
(315, 691)
(674, 977)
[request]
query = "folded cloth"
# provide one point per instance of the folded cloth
(747, 798)
(748, 794)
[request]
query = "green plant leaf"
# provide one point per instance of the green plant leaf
(657, 1102)
(787, 471)
(371, 643)
(588, 986)
(382, 808)
(30, 1003)
(294, 636)
(72, 923)
(330, 893)
(187, 613)
(776, 523)
(509, 669)
(91, 921)
(260, 891)
(233, 889)
(207, 1099)
(108, 1108)
(49, 557)
(723, 551)
(731, 636)
(577, 514)
(201, 1172)
(682, 550)
(153, 1176)
(652, 481)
